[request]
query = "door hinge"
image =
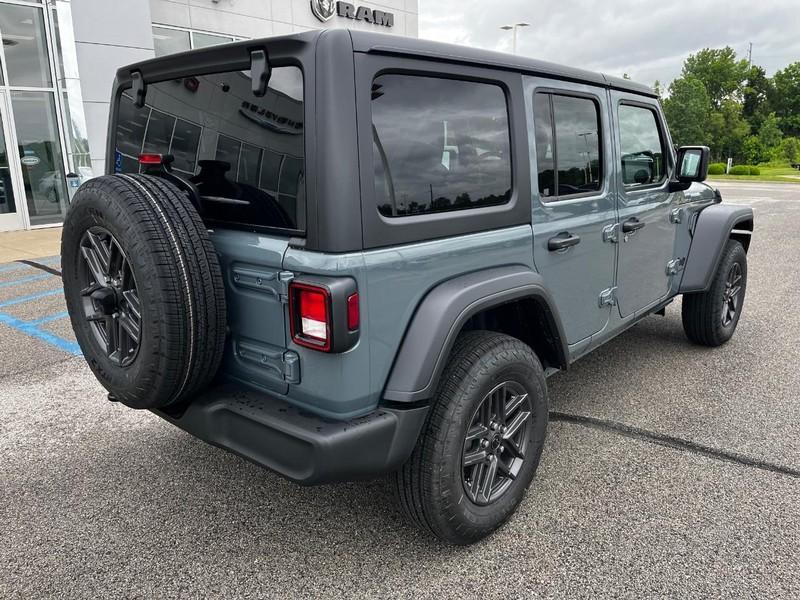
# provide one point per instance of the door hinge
(283, 364)
(608, 297)
(284, 279)
(611, 233)
(676, 216)
(675, 266)
(291, 367)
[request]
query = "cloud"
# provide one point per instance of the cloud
(648, 40)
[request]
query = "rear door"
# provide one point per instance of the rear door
(245, 156)
(647, 231)
(574, 209)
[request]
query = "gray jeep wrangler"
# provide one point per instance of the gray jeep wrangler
(342, 255)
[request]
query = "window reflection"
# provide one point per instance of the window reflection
(25, 46)
(640, 146)
(245, 154)
(567, 131)
(169, 41)
(439, 145)
(7, 204)
(203, 40)
(40, 155)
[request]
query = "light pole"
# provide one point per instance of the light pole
(513, 29)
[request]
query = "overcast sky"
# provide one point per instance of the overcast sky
(649, 40)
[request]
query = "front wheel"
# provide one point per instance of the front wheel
(482, 441)
(710, 317)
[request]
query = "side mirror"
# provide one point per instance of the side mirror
(692, 166)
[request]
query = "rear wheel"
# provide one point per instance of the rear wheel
(710, 318)
(482, 441)
(144, 289)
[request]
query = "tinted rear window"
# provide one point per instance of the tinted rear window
(439, 145)
(245, 154)
(567, 145)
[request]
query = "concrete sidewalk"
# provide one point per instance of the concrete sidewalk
(20, 245)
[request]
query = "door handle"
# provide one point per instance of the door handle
(563, 241)
(632, 224)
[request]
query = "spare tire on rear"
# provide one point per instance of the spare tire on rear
(144, 289)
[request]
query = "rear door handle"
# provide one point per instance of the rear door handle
(632, 224)
(563, 241)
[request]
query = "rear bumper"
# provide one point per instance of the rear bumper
(301, 446)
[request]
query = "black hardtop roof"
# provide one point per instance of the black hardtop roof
(365, 41)
(381, 43)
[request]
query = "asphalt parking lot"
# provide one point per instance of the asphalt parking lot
(669, 471)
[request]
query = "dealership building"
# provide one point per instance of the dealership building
(58, 59)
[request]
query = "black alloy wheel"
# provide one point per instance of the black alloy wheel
(731, 294)
(495, 443)
(110, 298)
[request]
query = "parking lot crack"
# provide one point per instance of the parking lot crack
(676, 443)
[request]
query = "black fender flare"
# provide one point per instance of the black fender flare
(712, 230)
(441, 315)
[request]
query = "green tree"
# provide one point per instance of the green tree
(785, 98)
(756, 97)
(719, 71)
(770, 136)
(752, 151)
(728, 130)
(688, 111)
(790, 149)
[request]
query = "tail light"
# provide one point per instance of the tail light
(151, 159)
(324, 313)
(312, 319)
(156, 164)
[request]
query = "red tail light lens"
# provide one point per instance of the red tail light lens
(310, 316)
(151, 159)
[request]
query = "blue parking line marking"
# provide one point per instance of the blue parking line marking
(30, 279)
(22, 299)
(18, 267)
(49, 318)
(45, 336)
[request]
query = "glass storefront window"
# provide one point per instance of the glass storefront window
(204, 40)
(168, 41)
(7, 204)
(25, 46)
(40, 156)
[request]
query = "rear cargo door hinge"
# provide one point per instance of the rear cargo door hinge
(675, 266)
(676, 215)
(611, 233)
(608, 297)
(284, 279)
(291, 367)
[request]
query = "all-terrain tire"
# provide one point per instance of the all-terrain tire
(169, 257)
(707, 319)
(429, 487)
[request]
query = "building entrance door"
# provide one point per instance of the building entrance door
(11, 216)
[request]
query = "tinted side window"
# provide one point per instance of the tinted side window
(641, 147)
(545, 146)
(245, 154)
(439, 145)
(567, 145)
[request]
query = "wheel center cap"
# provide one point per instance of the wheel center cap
(106, 300)
(495, 443)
